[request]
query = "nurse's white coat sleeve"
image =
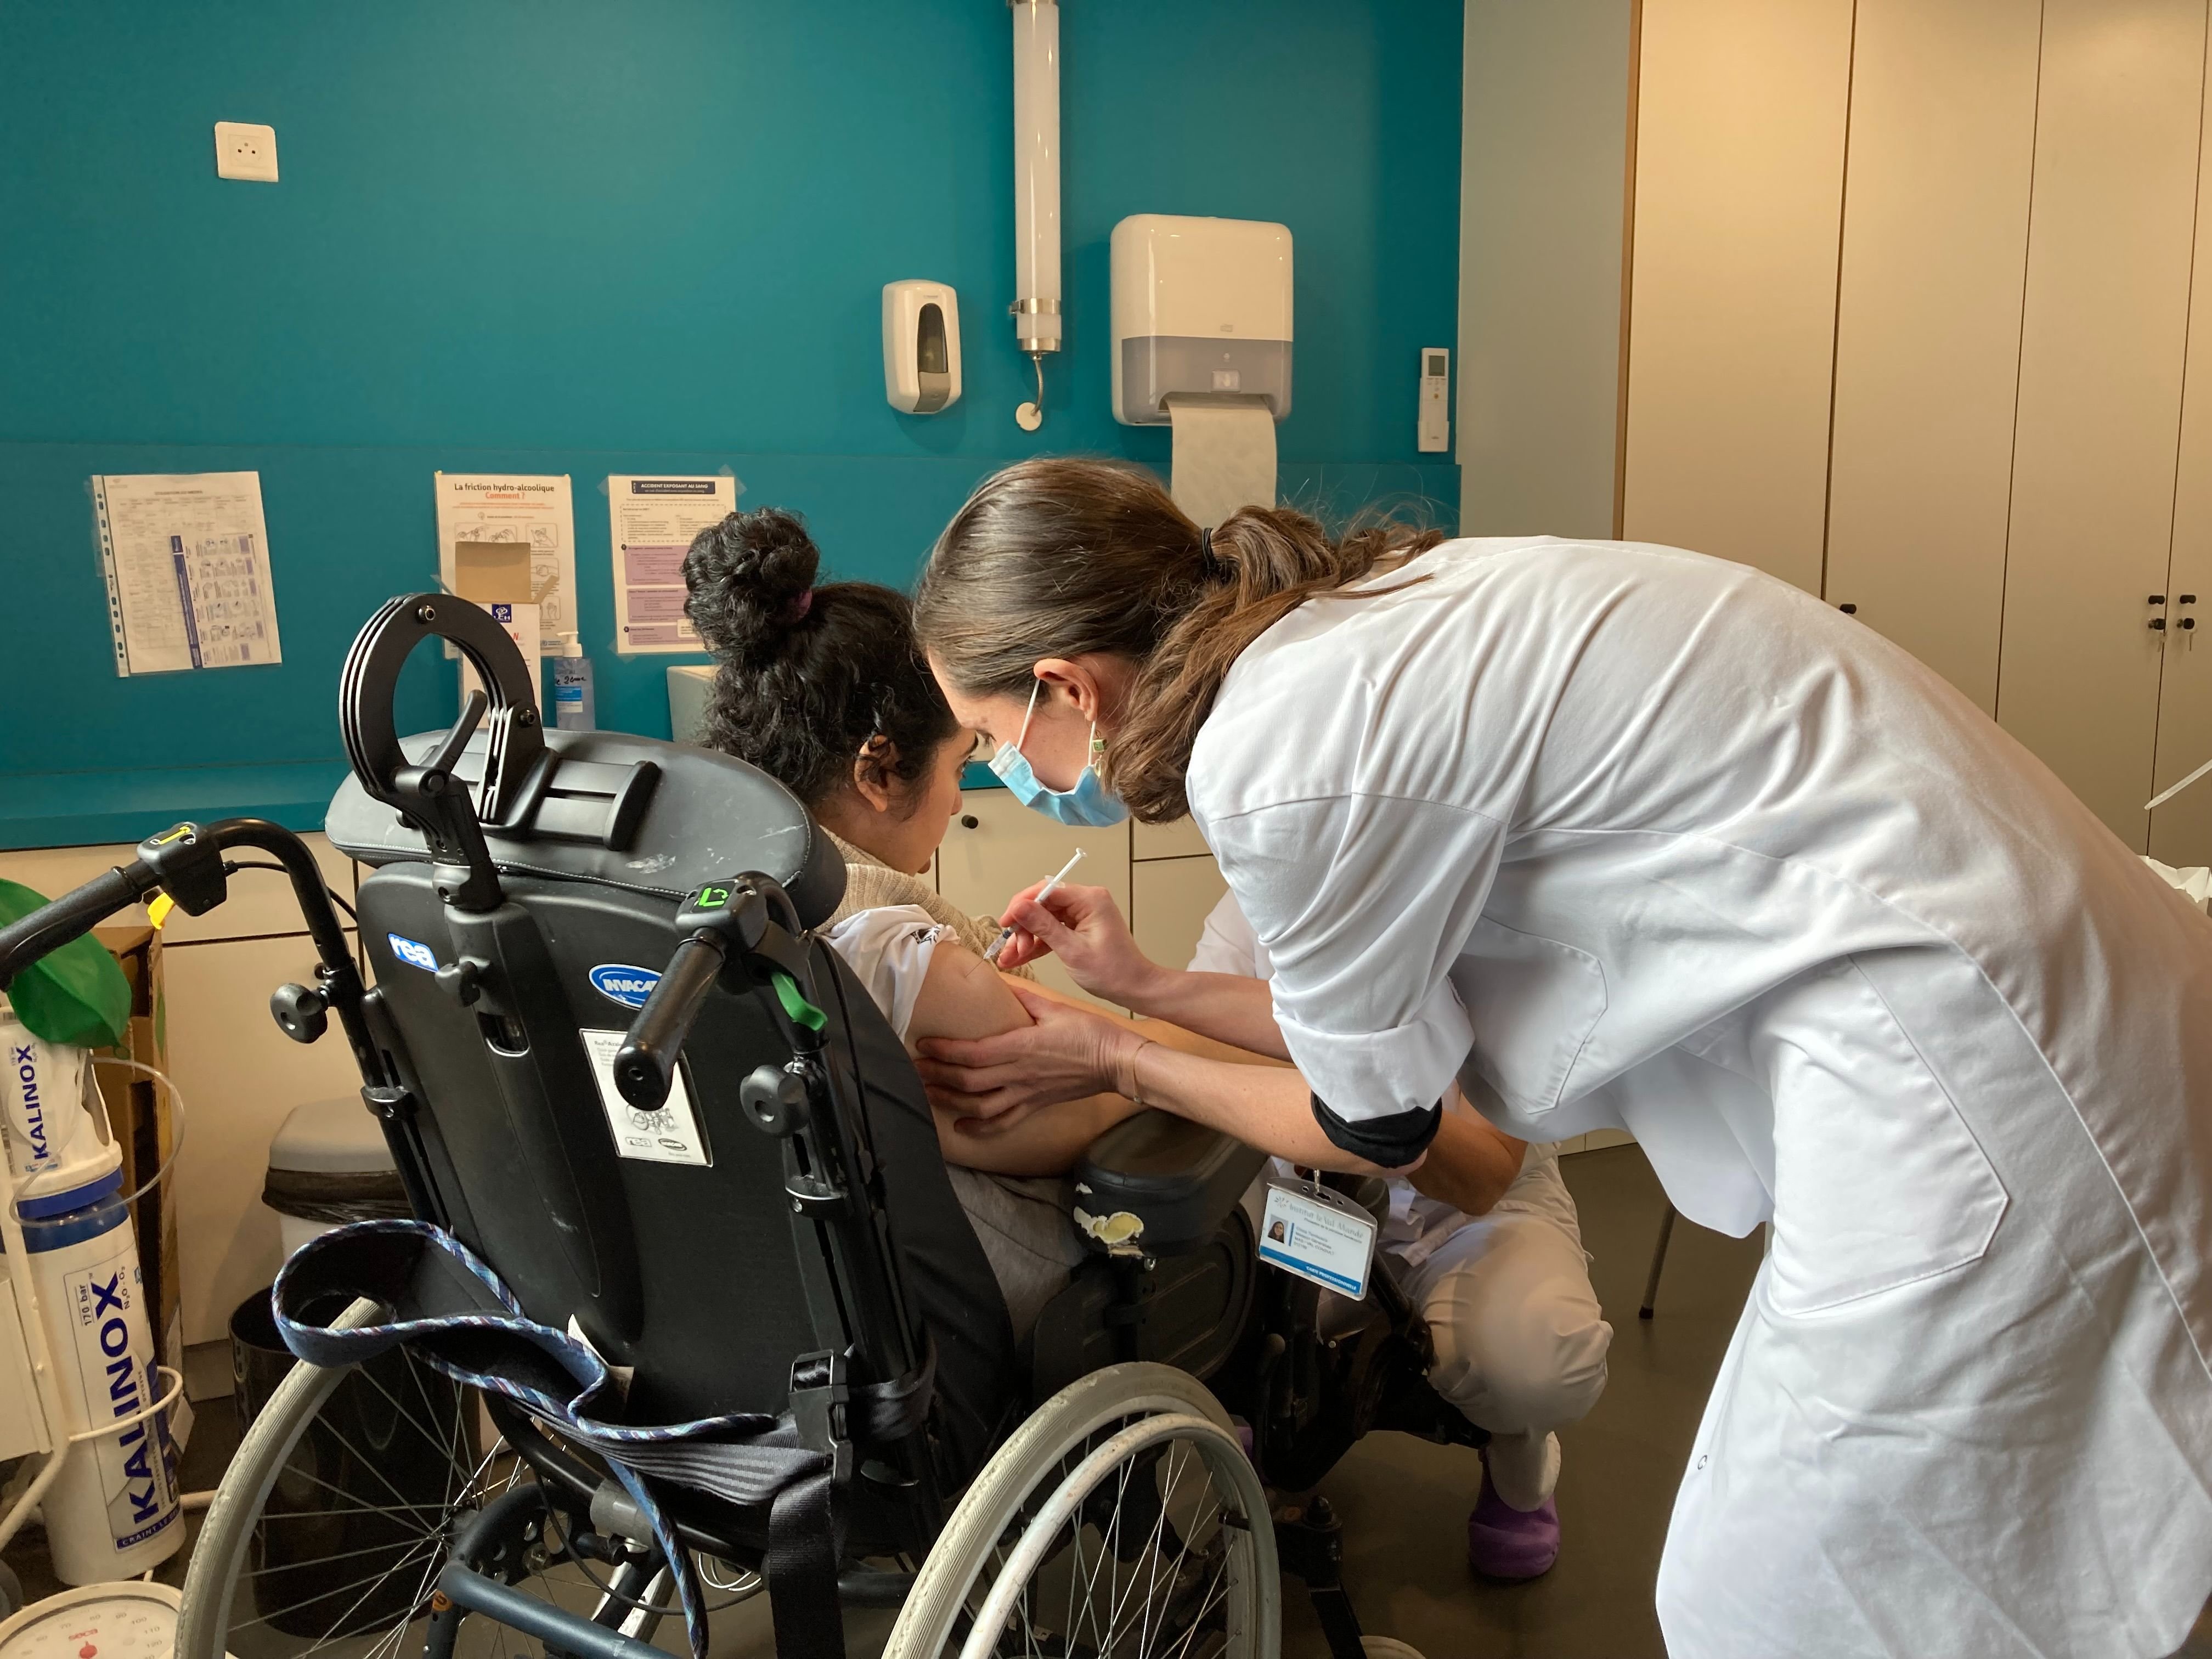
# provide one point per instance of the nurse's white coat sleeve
(1363, 903)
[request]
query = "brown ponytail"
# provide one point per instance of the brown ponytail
(1063, 557)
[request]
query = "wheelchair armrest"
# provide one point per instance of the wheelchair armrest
(1160, 1183)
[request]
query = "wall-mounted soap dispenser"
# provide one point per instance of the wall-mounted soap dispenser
(921, 346)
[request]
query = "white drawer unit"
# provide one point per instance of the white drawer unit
(1179, 840)
(240, 1077)
(1170, 901)
(996, 847)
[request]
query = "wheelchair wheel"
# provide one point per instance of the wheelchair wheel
(341, 1508)
(1122, 1521)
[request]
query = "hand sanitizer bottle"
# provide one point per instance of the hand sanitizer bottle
(573, 707)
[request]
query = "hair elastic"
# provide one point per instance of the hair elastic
(1209, 567)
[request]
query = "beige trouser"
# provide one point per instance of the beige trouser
(1520, 1338)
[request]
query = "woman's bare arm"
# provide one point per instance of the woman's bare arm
(1471, 1162)
(1166, 1033)
(964, 996)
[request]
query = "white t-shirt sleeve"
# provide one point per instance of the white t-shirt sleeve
(888, 949)
(1229, 945)
(1364, 903)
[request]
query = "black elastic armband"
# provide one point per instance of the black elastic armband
(1391, 1142)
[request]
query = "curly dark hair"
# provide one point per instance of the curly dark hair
(806, 676)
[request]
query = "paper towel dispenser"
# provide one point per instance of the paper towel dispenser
(1200, 306)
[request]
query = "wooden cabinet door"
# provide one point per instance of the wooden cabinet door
(2103, 338)
(1172, 898)
(1935, 213)
(1739, 198)
(996, 847)
(240, 1077)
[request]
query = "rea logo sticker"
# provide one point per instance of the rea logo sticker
(414, 953)
(629, 986)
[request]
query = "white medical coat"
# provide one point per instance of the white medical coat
(1619, 834)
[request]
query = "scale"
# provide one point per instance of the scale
(131, 1619)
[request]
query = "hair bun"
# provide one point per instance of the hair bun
(747, 575)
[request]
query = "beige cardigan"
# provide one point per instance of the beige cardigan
(870, 884)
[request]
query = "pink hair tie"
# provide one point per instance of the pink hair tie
(799, 607)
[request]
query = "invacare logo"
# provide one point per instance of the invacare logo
(629, 986)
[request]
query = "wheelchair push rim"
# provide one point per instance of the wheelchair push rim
(1122, 1521)
(362, 1586)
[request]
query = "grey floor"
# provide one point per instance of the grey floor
(1404, 1501)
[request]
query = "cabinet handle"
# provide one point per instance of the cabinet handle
(970, 821)
(2186, 599)
(2155, 598)
(2189, 622)
(2158, 624)
(1849, 609)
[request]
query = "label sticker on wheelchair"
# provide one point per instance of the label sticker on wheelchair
(1318, 1235)
(669, 1135)
(413, 952)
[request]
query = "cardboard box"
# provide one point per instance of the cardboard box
(139, 1108)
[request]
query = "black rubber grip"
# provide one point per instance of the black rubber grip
(645, 1065)
(70, 916)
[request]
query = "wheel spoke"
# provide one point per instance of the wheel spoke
(358, 1507)
(1197, 1618)
(1152, 1576)
(367, 1463)
(1175, 1572)
(386, 1548)
(398, 1406)
(372, 1581)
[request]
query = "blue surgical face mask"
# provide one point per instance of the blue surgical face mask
(1090, 805)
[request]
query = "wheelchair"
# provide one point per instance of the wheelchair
(689, 1312)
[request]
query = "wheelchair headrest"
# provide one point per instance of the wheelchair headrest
(633, 812)
(630, 813)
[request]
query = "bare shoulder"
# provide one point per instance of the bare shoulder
(963, 996)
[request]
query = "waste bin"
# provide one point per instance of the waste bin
(329, 1165)
(373, 1474)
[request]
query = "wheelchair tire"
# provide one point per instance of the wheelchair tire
(288, 1562)
(1039, 1518)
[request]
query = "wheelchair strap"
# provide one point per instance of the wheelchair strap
(452, 1311)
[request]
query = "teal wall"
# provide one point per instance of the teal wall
(568, 238)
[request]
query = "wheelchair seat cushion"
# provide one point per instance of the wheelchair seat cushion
(1160, 1183)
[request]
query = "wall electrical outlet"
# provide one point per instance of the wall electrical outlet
(243, 150)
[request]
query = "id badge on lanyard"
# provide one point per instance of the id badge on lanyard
(1318, 1235)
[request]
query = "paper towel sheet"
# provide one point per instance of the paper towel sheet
(1225, 455)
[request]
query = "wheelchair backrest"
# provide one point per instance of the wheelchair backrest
(673, 1239)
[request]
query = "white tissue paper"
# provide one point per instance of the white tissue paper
(1225, 455)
